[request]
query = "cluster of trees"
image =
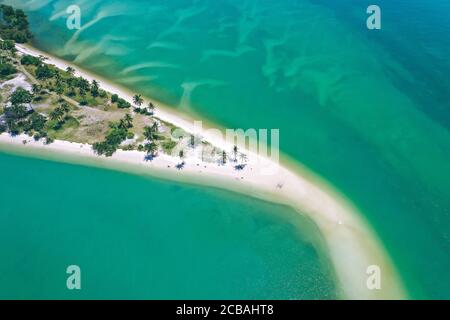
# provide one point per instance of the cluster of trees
(121, 103)
(138, 101)
(117, 133)
(151, 135)
(85, 88)
(6, 68)
(78, 88)
(14, 24)
(58, 116)
(43, 72)
(14, 27)
(20, 96)
(27, 60)
(64, 82)
(21, 119)
(8, 45)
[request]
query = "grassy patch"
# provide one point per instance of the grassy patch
(71, 123)
(168, 146)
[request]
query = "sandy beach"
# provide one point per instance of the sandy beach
(351, 244)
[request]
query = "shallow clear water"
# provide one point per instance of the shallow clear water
(139, 238)
(367, 110)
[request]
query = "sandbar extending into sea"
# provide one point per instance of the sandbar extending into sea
(350, 242)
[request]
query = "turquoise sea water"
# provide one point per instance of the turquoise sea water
(139, 238)
(367, 110)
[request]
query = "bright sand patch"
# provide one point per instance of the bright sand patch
(352, 245)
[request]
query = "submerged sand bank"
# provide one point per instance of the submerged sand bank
(351, 244)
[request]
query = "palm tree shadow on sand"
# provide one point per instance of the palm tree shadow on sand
(180, 165)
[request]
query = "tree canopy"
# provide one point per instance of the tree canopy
(14, 24)
(20, 96)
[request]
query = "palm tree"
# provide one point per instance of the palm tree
(182, 163)
(70, 71)
(65, 107)
(151, 148)
(137, 100)
(150, 132)
(151, 107)
(224, 157)
(235, 151)
(71, 92)
(128, 120)
(59, 89)
(35, 89)
(57, 114)
(94, 88)
(83, 84)
(122, 124)
(82, 91)
(58, 77)
(19, 110)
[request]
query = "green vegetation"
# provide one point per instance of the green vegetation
(151, 148)
(54, 107)
(20, 96)
(151, 107)
(8, 45)
(94, 88)
(19, 118)
(117, 134)
(43, 72)
(36, 122)
(224, 157)
(123, 104)
(14, 25)
(151, 133)
(6, 69)
(7, 52)
(114, 98)
(64, 83)
(70, 71)
(30, 60)
(143, 111)
(137, 100)
(235, 152)
(59, 116)
(168, 146)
